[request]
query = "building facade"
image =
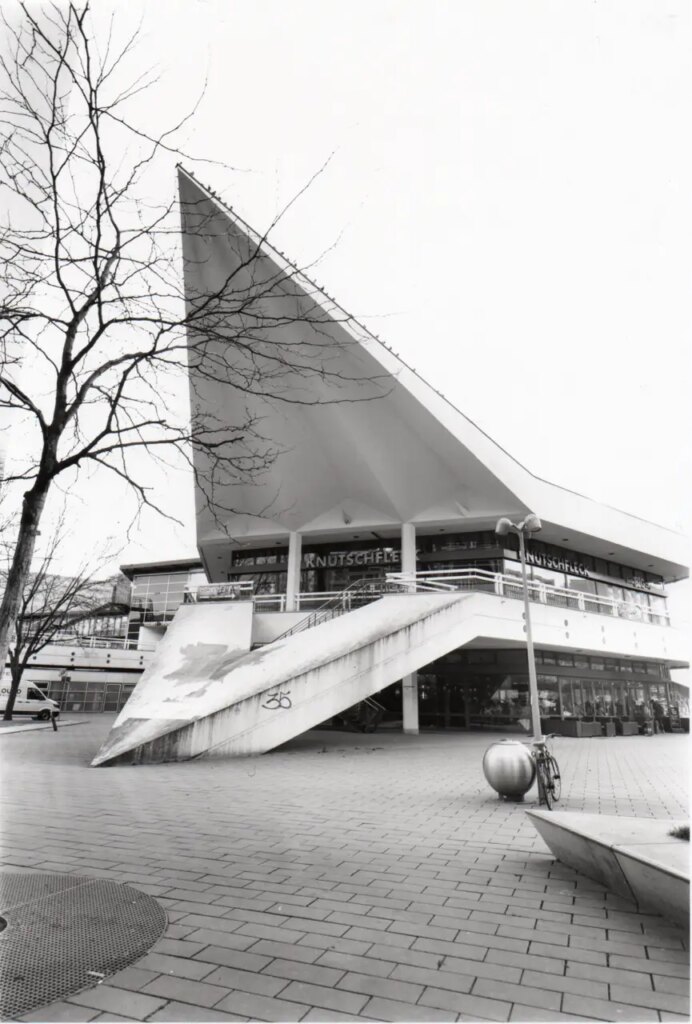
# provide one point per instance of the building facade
(330, 573)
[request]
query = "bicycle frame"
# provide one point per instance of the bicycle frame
(547, 772)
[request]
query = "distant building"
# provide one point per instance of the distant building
(89, 665)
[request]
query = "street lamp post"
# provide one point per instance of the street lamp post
(531, 524)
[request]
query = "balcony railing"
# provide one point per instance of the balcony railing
(481, 580)
(120, 643)
(323, 605)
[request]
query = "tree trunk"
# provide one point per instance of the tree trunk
(17, 577)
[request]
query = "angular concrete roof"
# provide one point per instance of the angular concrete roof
(363, 443)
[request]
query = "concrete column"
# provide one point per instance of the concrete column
(409, 684)
(295, 547)
(408, 547)
(409, 703)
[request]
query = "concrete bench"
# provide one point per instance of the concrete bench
(634, 857)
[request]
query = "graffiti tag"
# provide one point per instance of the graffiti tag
(278, 700)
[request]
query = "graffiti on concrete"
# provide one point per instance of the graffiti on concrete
(278, 700)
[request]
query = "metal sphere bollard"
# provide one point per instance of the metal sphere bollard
(509, 768)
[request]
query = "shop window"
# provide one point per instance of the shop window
(572, 698)
(548, 696)
(565, 659)
(581, 661)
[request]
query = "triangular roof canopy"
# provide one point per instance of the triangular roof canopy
(361, 440)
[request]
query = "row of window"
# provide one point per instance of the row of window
(563, 659)
(538, 553)
(505, 699)
(156, 597)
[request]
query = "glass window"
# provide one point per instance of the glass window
(572, 699)
(548, 695)
(565, 659)
(546, 576)
(658, 606)
(580, 584)
(611, 591)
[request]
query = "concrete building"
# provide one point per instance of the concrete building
(364, 560)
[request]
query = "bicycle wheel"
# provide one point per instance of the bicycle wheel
(544, 783)
(555, 776)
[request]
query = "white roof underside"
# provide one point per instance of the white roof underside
(387, 450)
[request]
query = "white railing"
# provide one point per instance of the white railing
(121, 643)
(446, 580)
(326, 604)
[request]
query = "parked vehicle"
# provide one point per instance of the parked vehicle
(30, 701)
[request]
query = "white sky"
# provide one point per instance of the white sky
(508, 200)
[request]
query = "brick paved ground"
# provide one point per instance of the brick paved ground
(350, 878)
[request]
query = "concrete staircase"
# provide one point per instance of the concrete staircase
(262, 698)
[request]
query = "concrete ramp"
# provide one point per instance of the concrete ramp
(226, 703)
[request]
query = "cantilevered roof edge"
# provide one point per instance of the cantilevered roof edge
(329, 304)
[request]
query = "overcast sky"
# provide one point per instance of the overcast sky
(506, 203)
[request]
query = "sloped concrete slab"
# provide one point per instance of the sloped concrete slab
(634, 857)
(582, 849)
(658, 875)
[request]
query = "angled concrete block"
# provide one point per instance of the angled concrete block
(635, 857)
(658, 875)
(584, 852)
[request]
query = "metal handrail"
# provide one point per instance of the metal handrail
(342, 602)
(541, 592)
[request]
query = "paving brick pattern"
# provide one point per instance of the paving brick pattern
(353, 878)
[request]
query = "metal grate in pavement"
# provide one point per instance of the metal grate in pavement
(65, 933)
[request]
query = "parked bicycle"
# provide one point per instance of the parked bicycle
(547, 772)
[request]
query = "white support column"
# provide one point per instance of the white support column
(409, 703)
(409, 684)
(408, 548)
(295, 547)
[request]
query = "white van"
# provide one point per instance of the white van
(30, 701)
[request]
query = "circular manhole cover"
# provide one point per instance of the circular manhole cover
(62, 933)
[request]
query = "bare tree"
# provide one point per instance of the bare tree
(95, 331)
(51, 607)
